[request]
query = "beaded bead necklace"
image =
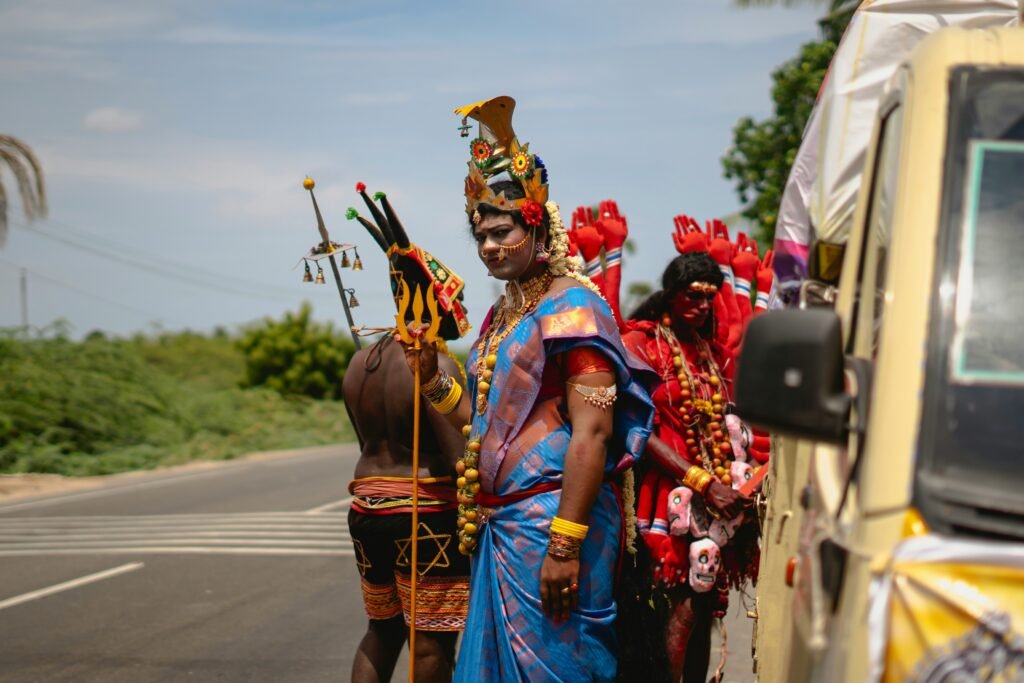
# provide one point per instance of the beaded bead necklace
(506, 318)
(703, 404)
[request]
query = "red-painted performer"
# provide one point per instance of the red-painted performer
(697, 526)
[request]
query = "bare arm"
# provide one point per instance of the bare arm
(428, 361)
(581, 480)
(717, 495)
(450, 440)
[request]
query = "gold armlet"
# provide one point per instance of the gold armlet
(599, 397)
(698, 479)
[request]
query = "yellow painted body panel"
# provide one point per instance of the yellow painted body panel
(873, 518)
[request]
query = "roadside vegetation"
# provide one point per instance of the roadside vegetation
(103, 405)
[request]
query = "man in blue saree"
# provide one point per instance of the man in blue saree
(554, 418)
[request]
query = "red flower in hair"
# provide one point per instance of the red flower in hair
(360, 187)
(533, 213)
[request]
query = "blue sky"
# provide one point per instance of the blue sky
(175, 135)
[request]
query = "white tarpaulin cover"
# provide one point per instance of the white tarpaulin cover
(822, 187)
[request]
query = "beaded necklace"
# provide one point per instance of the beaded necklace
(507, 316)
(703, 404)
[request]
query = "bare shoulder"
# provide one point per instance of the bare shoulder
(562, 283)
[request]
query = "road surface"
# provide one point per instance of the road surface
(242, 571)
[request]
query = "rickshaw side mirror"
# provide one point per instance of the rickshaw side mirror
(790, 375)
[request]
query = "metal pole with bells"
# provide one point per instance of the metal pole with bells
(329, 249)
(433, 321)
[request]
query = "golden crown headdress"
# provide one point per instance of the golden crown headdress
(496, 150)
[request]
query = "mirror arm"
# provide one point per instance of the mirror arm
(859, 370)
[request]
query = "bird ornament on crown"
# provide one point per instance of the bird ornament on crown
(413, 265)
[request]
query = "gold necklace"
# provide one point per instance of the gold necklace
(702, 404)
(507, 317)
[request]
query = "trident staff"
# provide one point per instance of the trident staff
(430, 335)
(327, 248)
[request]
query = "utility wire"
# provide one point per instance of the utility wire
(117, 248)
(153, 267)
(77, 289)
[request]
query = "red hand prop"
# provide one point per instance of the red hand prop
(744, 267)
(589, 240)
(615, 230)
(765, 279)
(688, 236)
(720, 249)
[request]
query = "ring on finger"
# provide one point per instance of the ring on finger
(565, 591)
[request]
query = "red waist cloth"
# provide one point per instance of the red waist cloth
(488, 500)
(392, 495)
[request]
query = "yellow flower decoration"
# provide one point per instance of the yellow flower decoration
(481, 150)
(522, 165)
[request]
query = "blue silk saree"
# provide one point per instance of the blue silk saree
(524, 442)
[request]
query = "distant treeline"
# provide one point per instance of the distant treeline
(104, 405)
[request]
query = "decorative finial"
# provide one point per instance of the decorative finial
(360, 187)
(379, 196)
(308, 183)
(351, 214)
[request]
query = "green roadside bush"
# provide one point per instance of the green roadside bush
(296, 356)
(107, 405)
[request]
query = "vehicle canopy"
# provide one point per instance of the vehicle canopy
(821, 191)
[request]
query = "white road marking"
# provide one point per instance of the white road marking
(68, 585)
(263, 533)
(343, 503)
(106, 491)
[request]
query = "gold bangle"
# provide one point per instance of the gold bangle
(697, 478)
(567, 528)
(450, 402)
(564, 547)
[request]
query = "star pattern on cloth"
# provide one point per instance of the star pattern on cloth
(362, 561)
(440, 559)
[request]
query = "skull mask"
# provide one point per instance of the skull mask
(705, 560)
(739, 436)
(679, 511)
(721, 531)
(740, 473)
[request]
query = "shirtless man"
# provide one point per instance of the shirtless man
(378, 392)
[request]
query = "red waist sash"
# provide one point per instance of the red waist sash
(488, 500)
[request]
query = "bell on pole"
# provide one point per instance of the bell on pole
(308, 275)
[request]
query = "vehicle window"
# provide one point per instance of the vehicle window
(987, 344)
(968, 477)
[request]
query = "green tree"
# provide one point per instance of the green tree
(296, 356)
(763, 151)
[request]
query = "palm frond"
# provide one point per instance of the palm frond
(28, 175)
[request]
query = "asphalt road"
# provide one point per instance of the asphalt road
(239, 572)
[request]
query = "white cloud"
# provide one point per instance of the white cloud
(112, 120)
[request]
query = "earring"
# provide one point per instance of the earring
(542, 253)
